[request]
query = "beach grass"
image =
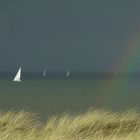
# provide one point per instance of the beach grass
(92, 125)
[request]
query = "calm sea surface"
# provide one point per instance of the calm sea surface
(56, 94)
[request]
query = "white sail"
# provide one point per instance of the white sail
(18, 76)
(44, 73)
(68, 73)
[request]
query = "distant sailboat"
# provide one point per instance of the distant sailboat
(68, 73)
(18, 76)
(116, 73)
(44, 73)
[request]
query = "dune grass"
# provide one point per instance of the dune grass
(92, 125)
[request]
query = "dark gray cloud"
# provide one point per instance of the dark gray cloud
(82, 35)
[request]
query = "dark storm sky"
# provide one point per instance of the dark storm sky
(81, 35)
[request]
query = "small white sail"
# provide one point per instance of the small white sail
(68, 73)
(44, 73)
(18, 76)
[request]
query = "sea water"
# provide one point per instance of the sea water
(56, 94)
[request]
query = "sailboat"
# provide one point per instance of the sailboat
(44, 73)
(116, 73)
(18, 76)
(68, 73)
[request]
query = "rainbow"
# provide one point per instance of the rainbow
(125, 65)
(130, 55)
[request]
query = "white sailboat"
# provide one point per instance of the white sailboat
(44, 73)
(68, 73)
(18, 76)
